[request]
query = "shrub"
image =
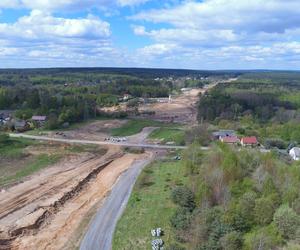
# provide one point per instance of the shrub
(175, 247)
(4, 138)
(275, 143)
(296, 205)
(231, 241)
(263, 238)
(184, 197)
(287, 221)
(263, 210)
(181, 218)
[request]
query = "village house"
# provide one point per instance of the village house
(230, 139)
(223, 133)
(295, 153)
(39, 120)
(21, 125)
(5, 116)
(249, 141)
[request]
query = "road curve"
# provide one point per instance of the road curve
(101, 230)
(125, 144)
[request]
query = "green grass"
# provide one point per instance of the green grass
(168, 135)
(149, 207)
(14, 147)
(39, 163)
(135, 126)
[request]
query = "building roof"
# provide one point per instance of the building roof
(230, 139)
(20, 124)
(249, 140)
(223, 133)
(39, 118)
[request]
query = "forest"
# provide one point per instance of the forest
(236, 200)
(266, 105)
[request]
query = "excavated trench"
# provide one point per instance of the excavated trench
(50, 211)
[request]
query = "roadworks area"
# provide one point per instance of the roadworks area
(46, 210)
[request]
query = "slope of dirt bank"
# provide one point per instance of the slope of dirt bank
(56, 234)
(43, 211)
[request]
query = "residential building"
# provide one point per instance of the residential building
(223, 133)
(249, 141)
(230, 139)
(40, 120)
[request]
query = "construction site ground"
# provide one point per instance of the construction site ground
(45, 210)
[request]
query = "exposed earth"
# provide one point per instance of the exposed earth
(52, 208)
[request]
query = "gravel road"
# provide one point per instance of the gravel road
(101, 230)
(125, 144)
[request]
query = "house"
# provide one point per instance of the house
(126, 97)
(230, 139)
(223, 133)
(5, 116)
(21, 125)
(40, 120)
(295, 153)
(249, 141)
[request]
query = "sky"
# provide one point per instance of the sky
(185, 34)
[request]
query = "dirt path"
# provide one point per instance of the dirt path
(44, 210)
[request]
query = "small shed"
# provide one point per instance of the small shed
(40, 120)
(295, 153)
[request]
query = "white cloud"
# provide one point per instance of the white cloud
(52, 5)
(41, 25)
(232, 33)
(41, 37)
(224, 20)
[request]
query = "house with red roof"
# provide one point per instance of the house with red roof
(230, 139)
(249, 141)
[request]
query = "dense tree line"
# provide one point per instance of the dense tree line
(219, 104)
(237, 200)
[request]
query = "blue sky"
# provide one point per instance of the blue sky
(208, 34)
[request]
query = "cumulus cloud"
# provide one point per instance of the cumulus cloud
(52, 5)
(41, 25)
(41, 36)
(256, 31)
(227, 20)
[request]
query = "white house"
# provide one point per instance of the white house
(295, 153)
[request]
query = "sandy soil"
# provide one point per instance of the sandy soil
(181, 108)
(56, 234)
(44, 210)
(97, 130)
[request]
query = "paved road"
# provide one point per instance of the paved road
(101, 230)
(125, 144)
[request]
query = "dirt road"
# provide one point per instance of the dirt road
(101, 230)
(179, 109)
(103, 143)
(44, 210)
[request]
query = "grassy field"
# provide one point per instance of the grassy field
(16, 161)
(14, 148)
(149, 207)
(37, 164)
(168, 135)
(135, 126)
